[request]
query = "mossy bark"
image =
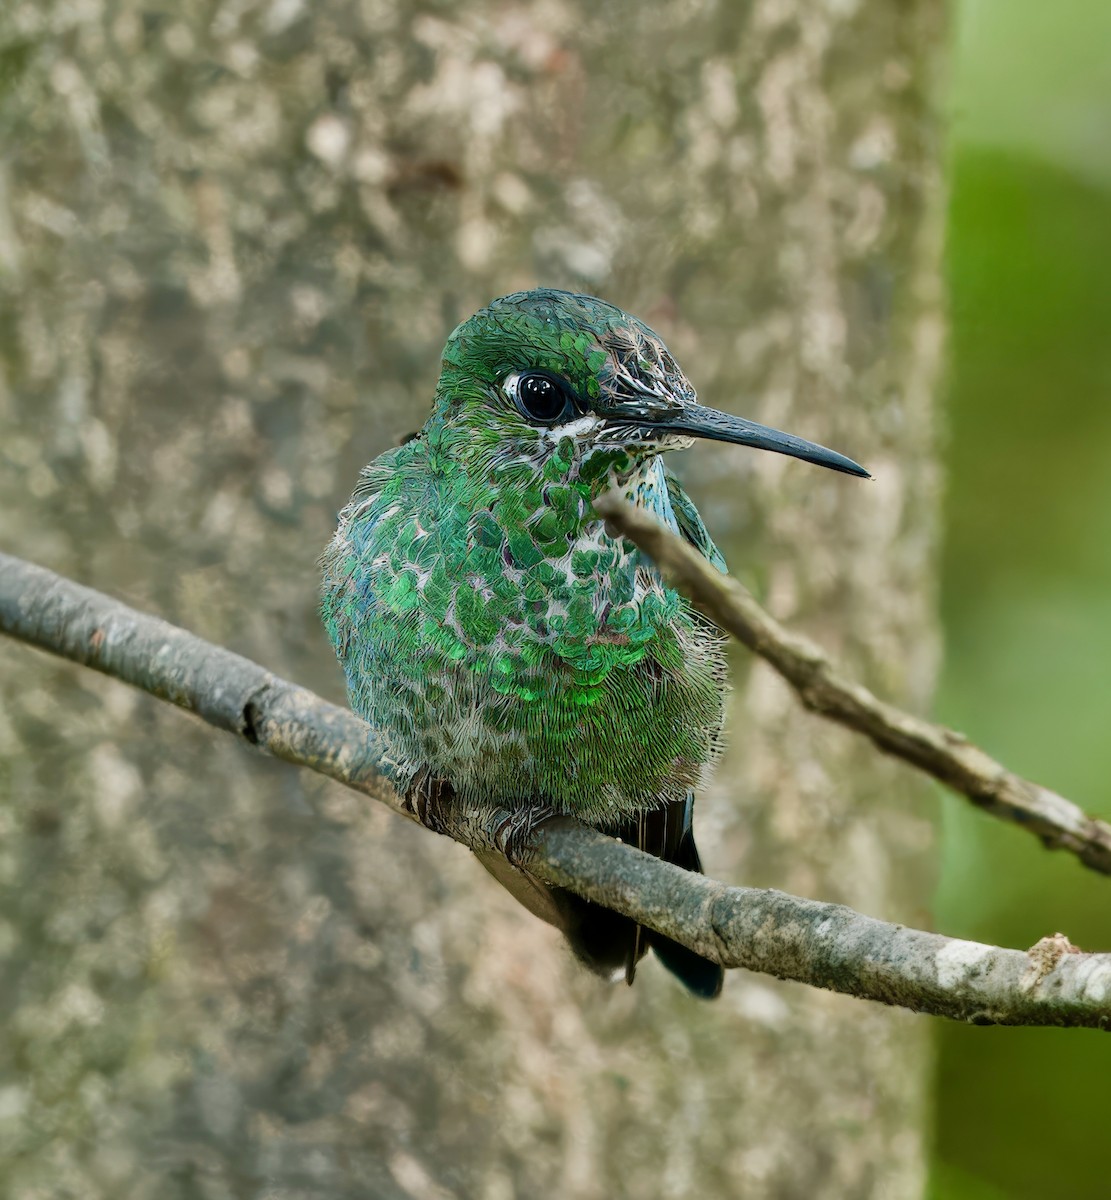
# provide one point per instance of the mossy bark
(232, 240)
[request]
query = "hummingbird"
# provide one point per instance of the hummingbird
(500, 641)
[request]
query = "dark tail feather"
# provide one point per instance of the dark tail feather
(607, 943)
(600, 938)
(699, 975)
(603, 940)
(667, 833)
(639, 947)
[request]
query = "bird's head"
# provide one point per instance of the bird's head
(533, 369)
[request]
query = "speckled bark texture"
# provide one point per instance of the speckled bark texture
(232, 239)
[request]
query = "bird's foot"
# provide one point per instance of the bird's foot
(429, 800)
(513, 832)
(432, 801)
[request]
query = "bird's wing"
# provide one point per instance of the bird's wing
(386, 499)
(691, 525)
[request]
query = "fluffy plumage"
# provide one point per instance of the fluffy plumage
(496, 636)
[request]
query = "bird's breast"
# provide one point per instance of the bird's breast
(519, 654)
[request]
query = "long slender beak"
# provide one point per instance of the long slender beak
(696, 421)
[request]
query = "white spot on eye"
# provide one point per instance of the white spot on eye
(579, 428)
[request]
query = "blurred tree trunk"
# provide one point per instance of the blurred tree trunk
(233, 236)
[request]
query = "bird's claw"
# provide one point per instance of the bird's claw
(512, 834)
(429, 799)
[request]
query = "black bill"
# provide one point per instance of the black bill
(696, 421)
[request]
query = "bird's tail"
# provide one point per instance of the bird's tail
(606, 942)
(699, 975)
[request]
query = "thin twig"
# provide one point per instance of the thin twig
(943, 753)
(825, 945)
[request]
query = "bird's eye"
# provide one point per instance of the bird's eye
(544, 399)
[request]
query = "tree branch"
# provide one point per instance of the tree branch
(943, 753)
(825, 945)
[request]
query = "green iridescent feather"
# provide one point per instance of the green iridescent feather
(489, 628)
(500, 641)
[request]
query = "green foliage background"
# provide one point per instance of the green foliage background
(1027, 572)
